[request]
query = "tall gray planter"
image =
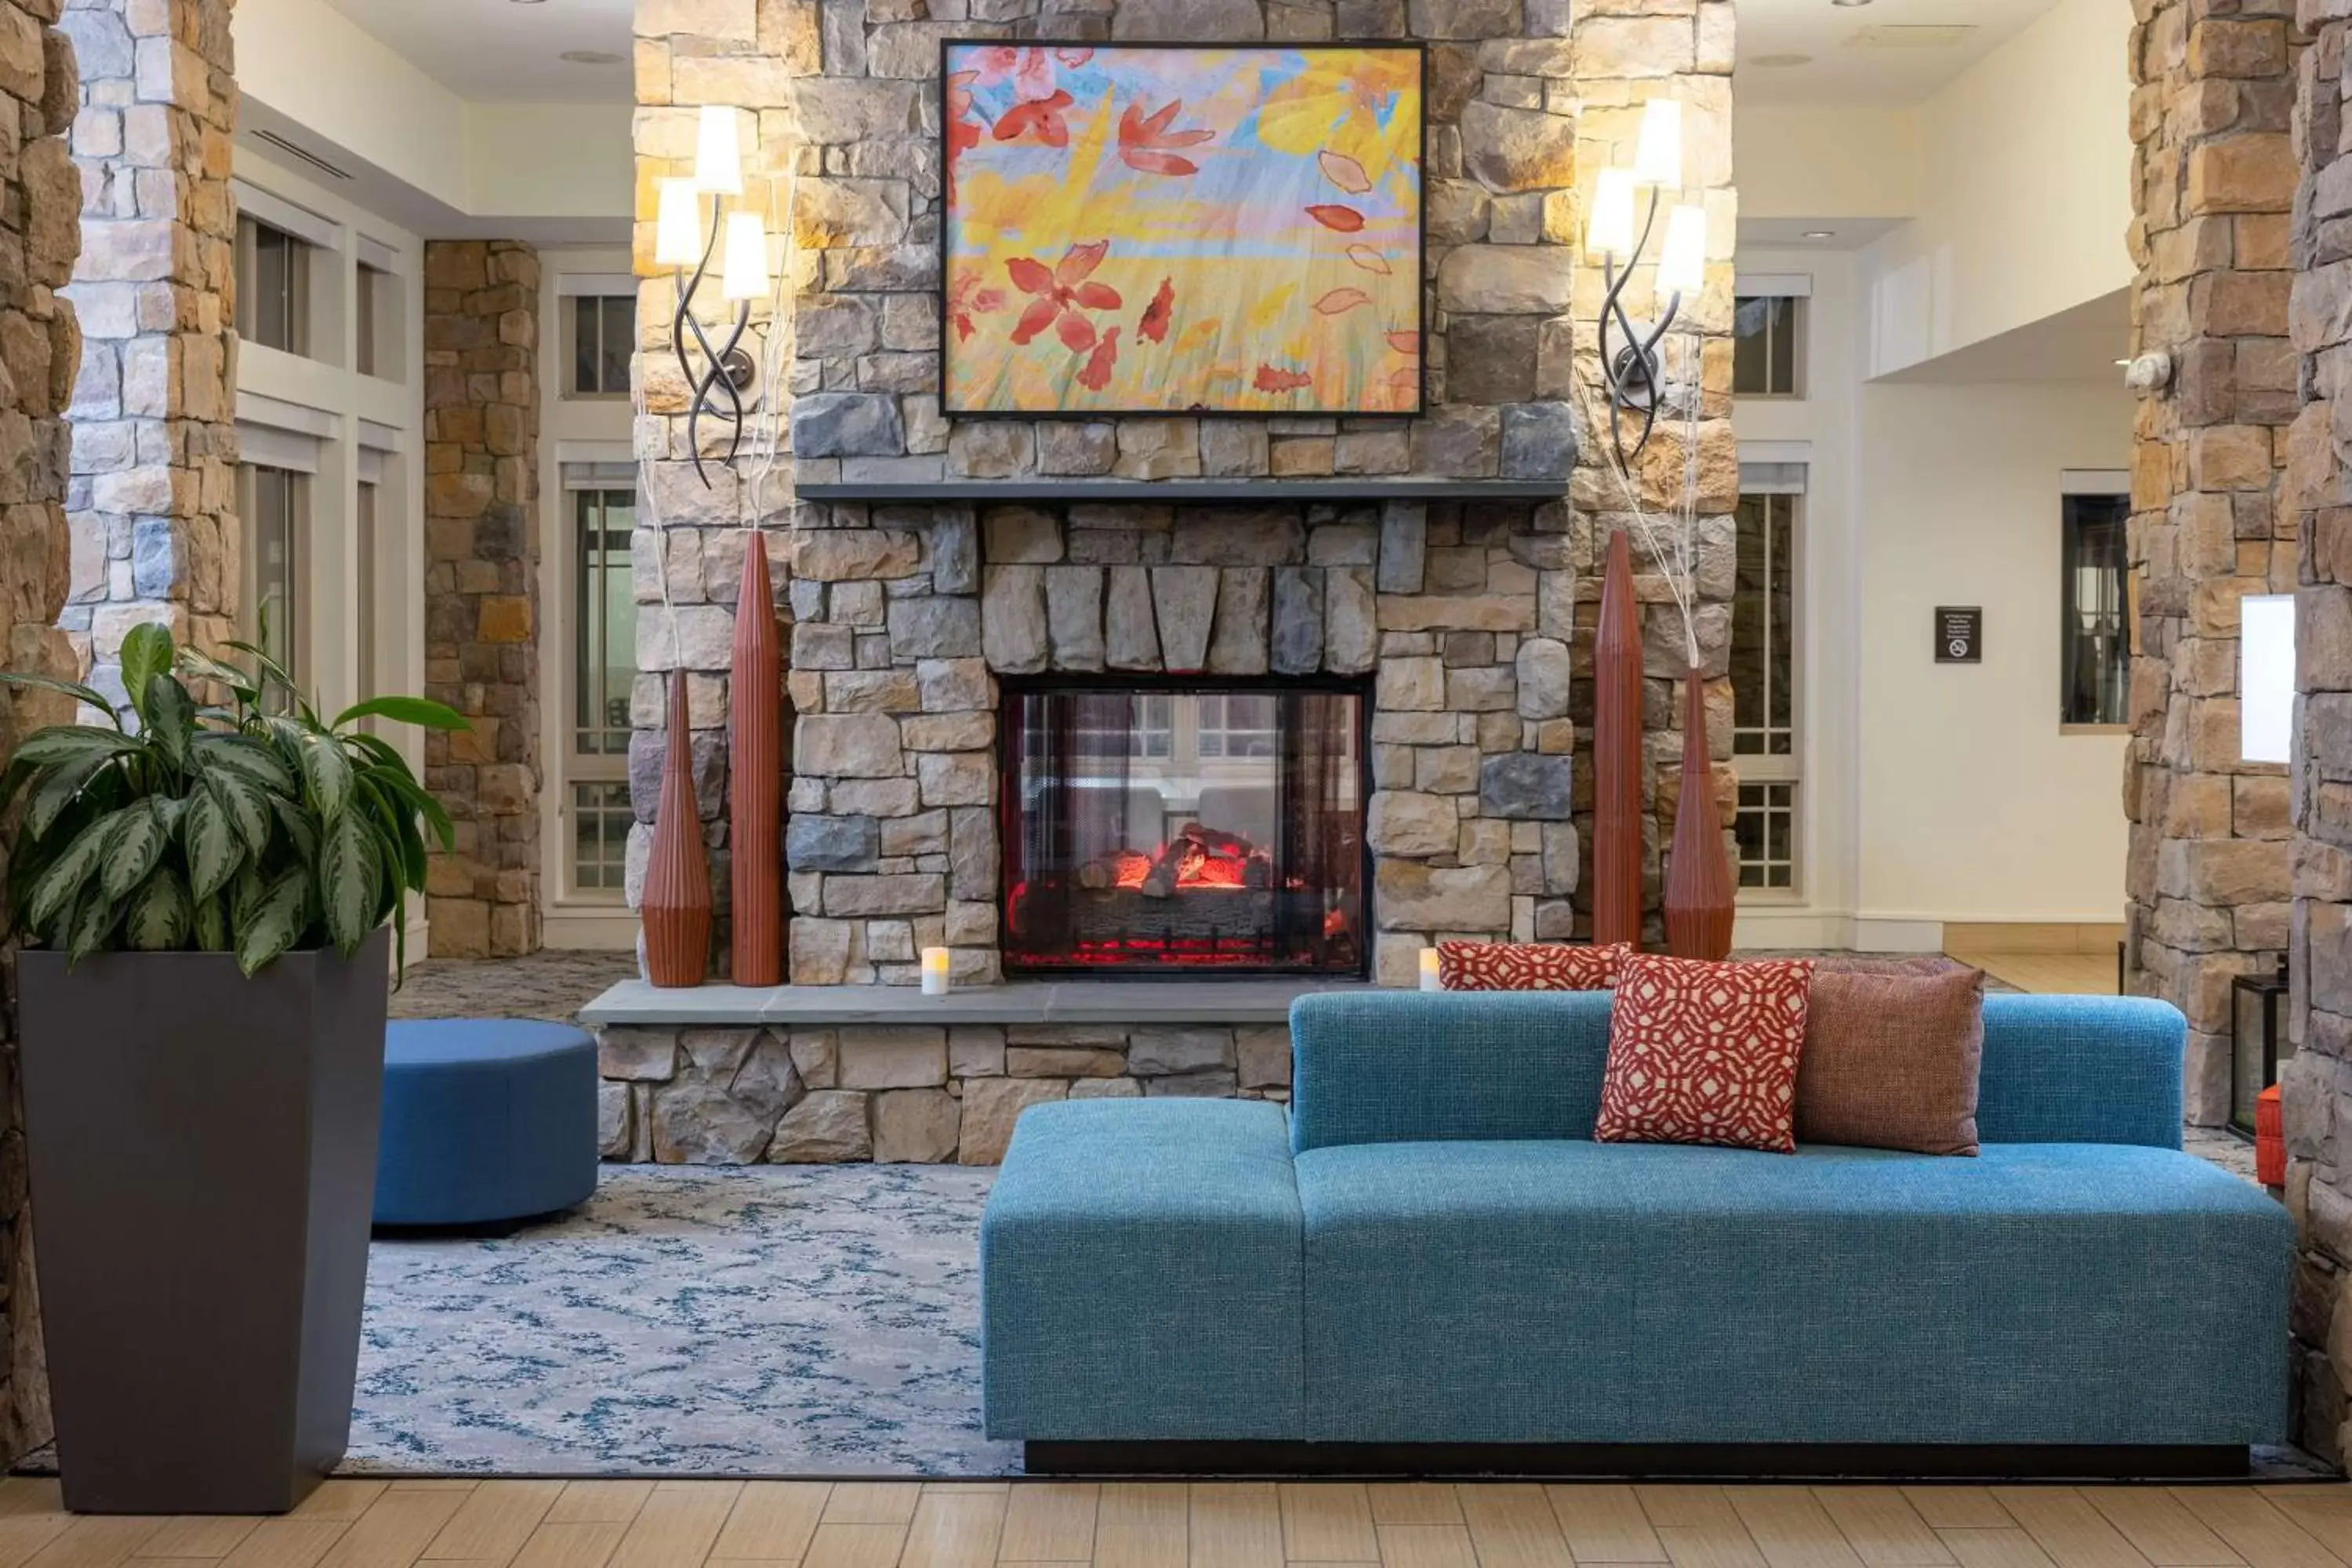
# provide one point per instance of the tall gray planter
(203, 1151)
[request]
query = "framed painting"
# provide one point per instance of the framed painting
(1172, 228)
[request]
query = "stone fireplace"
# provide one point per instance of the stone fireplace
(1424, 584)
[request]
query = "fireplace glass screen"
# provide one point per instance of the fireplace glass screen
(1209, 828)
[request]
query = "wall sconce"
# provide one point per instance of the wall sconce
(1633, 371)
(680, 241)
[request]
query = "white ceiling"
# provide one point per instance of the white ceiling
(507, 51)
(1841, 73)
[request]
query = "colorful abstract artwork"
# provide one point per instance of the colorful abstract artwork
(1153, 228)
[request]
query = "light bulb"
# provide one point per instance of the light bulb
(1609, 230)
(747, 258)
(678, 225)
(1658, 155)
(1682, 264)
(719, 153)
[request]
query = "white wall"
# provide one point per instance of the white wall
(2025, 192)
(1846, 160)
(344, 423)
(1973, 805)
(1933, 793)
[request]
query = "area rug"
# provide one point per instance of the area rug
(774, 1321)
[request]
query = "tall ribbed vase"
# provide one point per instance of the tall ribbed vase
(1617, 754)
(1699, 891)
(675, 912)
(756, 778)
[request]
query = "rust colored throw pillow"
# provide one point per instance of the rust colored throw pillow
(1867, 964)
(1527, 967)
(1705, 1053)
(1891, 1060)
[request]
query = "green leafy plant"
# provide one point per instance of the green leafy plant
(248, 825)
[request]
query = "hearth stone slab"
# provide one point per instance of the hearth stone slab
(635, 1001)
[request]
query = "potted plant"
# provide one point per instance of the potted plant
(203, 889)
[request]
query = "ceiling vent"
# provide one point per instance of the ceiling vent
(296, 151)
(1898, 36)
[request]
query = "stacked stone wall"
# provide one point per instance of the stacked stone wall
(2213, 520)
(153, 499)
(40, 348)
(900, 1093)
(1471, 622)
(481, 590)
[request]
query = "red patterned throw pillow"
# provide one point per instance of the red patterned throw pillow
(1705, 1053)
(1527, 967)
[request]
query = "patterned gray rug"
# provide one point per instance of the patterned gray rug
(775, 1321)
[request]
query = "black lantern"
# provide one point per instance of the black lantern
(2257, 1046)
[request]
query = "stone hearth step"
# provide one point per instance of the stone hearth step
(635, 1001)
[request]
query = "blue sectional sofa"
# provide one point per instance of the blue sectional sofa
(1428, 1264)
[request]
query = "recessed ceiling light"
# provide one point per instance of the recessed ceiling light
(1780, 62)
(582, 57)
(1849, 3)
(1821, 234)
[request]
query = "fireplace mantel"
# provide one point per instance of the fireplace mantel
(1179, 493)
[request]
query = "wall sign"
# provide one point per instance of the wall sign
(1959, 634)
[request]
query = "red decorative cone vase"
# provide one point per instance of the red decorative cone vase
(676, 912)
(756, 778)
(1617, 754)
(1699, 891)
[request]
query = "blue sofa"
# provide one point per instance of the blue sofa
(1429, 1249)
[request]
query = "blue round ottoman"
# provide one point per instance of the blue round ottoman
(485, 1119)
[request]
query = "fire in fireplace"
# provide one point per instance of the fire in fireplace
(1184, 827)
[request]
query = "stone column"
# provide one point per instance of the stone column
(153, 494)
(2215, 177)
(40, 346)
(2318, 1081)
(1626, 55)
(481, 590)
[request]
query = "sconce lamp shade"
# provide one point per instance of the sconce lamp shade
(2266, 677)
(1682, 264)
(1609, 231)
(747, 258)
(678, 225)
(1658, 155)
(719, 153)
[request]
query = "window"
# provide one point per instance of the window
(363, 611)
(603, 334)
(603, 612)
(374, 290)
(1766, 332)
(601, 815)
(1146, 731)
(273, 604)
(2096, 627)
(1763, 623)
(273, 287)
(1766, 830)
(1236, 726)
(1764, 711)
(605, 621)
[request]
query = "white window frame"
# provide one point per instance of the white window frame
(1798, 288)
(1781, 469)
(570, 289)
(581, 766)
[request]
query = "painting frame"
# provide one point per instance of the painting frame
(1418, 49)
